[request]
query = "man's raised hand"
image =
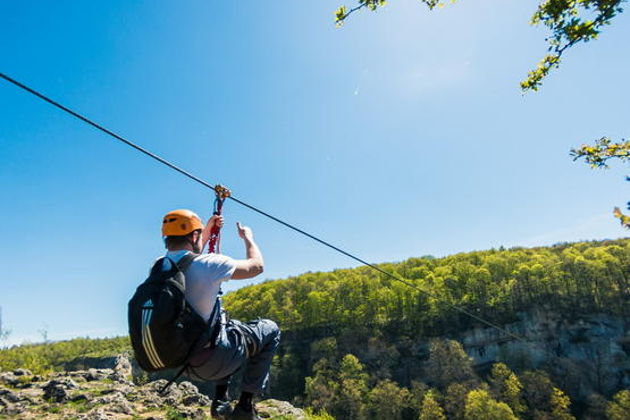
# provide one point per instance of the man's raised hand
(244, 232)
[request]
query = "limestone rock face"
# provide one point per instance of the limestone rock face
(106, 393)
(590, 351)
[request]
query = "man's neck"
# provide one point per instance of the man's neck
(186, 248)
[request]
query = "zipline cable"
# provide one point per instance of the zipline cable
(257, 210)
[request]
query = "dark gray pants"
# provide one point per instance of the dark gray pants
(252, 345)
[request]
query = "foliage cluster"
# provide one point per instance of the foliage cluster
(570, 22)
(343, 388)
(598, 155)
(46, 357)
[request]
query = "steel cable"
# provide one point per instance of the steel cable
(257, 210)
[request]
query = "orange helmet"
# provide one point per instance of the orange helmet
(180, 222)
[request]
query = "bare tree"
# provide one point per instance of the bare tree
(3, 333)
(43, 331)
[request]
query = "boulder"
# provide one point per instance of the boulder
(8, 378)
(279, 409)
(122, 369)
(93, 374)
(22, 372)
(57, 389)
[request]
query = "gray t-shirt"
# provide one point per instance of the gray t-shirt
(203, 278)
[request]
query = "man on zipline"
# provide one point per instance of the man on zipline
(252, 344)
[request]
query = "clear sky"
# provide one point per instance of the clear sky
(402, 134)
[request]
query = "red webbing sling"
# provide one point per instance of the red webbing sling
(215, 234)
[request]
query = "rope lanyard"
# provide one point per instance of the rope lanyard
(214, 243)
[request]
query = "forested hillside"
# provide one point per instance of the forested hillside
(578, 278)
(371, 347)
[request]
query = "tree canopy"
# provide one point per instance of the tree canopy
(495, 284)
(598, 155)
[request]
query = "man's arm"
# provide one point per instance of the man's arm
(253, 264)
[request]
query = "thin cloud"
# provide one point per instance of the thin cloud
(598, 226)
(431, 77)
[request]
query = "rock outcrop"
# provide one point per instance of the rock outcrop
(107, 393)
(590, 352)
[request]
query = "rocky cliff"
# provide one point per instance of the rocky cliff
(585, 354)
(588, 353)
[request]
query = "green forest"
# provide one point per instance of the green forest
(372, 347)
(359, 345)
(578, 278)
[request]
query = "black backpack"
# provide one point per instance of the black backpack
(164, 329)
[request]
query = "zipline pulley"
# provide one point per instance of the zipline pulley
(222, 193)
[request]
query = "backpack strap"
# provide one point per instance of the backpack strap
(182, 265)
(157, 265)
(185, 261)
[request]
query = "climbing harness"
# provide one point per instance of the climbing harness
(257, 210)
(215, 234)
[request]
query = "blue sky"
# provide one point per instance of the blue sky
(401, 134)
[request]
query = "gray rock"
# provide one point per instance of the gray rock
(122, 368)
(191, 395)
(66, 382)
(173, 399)
(110, 398)
(24, 385)
(56, 393)
(8, 378)
(156, 386)
(12, 409)
(191, 413)
(121, 407)
(9, 396)
(22, 372)
(275, 408)
(57, 389)
(80, 397)
(197, 399)
(151, 393)
(187, 388)
(97, 374)
(125, 388)
(115, 402)
(96, 414)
